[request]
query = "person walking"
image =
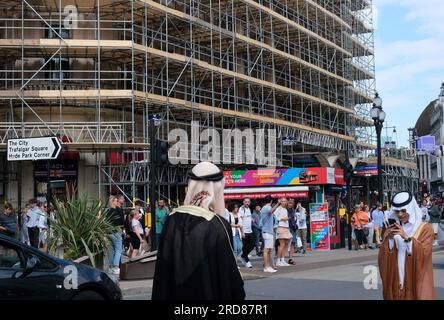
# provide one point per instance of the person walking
(283, 232)
(359, 220)
(32, 224)
(369, 230)
(247, 229)
(292, 221)
(127, 231)
(267, 223)
(24, 236)
(136, 234)
(258, 242)
(138, 207)
(43, 228)
(162, 213)
(8, 221)
(301, 222)
(425, 211)
(236, 228)
(116, 217)
(435, 220)
(378, 218)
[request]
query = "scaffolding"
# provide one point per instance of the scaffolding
(302, 67)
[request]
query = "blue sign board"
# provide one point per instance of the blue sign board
(426, 144)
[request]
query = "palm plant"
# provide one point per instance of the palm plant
(80, 229)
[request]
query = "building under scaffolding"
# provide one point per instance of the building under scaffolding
(92, 72)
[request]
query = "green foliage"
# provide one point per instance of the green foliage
(81, 229)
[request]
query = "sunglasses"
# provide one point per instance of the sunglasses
(402, 210)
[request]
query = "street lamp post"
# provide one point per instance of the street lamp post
(378, 116)
(154, 123)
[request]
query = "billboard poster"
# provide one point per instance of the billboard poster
(319, 226)
(426, 144)
(366, 170)
(319, 211)
(284, 177)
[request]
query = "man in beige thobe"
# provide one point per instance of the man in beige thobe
(405, 257)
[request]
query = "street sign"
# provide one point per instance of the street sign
(44, 148)
(426, 144)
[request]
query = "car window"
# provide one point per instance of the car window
(9, 257)
(45, 264)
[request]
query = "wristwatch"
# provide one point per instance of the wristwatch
(408, 240)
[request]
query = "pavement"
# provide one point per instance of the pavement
(320, 275)
(309, 261)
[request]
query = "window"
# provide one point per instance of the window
(44, 264)
(9, 257)
(50, 34)
(53, 68)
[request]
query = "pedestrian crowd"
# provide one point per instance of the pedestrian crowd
(274, 228)
(32, 226)
(368, 226)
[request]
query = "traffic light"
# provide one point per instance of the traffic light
(161, 153)
(425, 189)
(348, 172)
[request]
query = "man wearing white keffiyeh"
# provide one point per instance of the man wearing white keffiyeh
(405, 258)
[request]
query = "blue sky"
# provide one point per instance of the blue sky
(409, 54)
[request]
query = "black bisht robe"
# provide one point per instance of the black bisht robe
(195, 260)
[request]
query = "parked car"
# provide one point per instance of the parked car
(27, 273)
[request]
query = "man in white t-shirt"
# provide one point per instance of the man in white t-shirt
(247, 228)
(301, 220)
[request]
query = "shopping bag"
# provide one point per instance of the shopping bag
(299, 242)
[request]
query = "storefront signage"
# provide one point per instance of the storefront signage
(366, 171)
(284, 177)
(33, 149)
(319, 226)
(261, 195)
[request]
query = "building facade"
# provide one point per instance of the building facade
(92, 72)
(431, 165)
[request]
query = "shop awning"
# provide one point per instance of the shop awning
(259, 193)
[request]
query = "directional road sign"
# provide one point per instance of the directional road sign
(44, 148)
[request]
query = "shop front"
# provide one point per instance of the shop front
(316, 185)
(63, 176)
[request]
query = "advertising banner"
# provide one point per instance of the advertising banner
(261, 195)
(319, 226)
(365, 171)
(284, 177)
(426, 144)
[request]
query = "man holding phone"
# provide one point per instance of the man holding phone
(405, 257)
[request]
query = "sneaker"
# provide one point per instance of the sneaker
(270, 270)
(291, 261)
(435, 243)
(243, 260)
(248, 265)
(116, 271)
(281, 264)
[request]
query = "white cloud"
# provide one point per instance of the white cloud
(409, 72)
